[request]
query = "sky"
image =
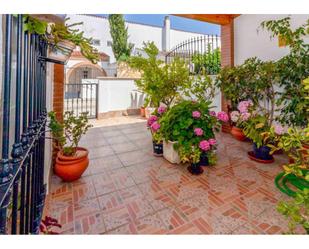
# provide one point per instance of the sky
(176, 23)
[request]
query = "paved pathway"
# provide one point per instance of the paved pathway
(126, 190)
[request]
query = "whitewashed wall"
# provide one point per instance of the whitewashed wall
(98, 28)
(249, 41)
(117, 94)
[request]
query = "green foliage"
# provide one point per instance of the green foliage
(292, 69)
(207, 62)
(168, 83)
(296, 211)
(160, 82)
(56, 32)
(178, 125)
(60, 32)
(68, 133)
(119, 32)
(255, 127)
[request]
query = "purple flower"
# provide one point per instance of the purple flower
(245, 116)
(161, 109)
(198, 132)
(212, 113)
(204, 145)
(155, 126)
(196, 114)
(279, 130)
(244, 105)
(212, 141)
(151, 120)
(222, 116)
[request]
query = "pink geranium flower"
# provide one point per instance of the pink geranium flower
(204, 145)
(198, 132)
(151, 120)
(222, 116)
(155, 126)
(161, 109)
(212, 141)
(196, 114)
(234, 116)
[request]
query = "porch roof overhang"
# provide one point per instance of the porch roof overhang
(222, 19)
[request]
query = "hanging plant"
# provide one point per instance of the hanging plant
(61, 35)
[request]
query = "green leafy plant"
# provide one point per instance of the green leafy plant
(296, 211)
(56, 32)
(119, 32)
(160, 82)
(68, 133)
(207, 62)
(292, 69)
(179, 124)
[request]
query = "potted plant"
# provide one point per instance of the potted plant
(62, 38)
(184, 126)
(71, 160)
(153, 123)
(238, 119)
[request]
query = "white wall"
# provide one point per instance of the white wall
(117, 94)
(98, 28)
(250, 40)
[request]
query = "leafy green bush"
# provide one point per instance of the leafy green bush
(180, 124)
(208, 62)
(68, 133)
(168, 83)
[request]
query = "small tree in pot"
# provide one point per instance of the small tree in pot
(71, 160)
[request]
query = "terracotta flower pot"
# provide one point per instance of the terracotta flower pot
(142, 111)
(238, 134)
(71, 168)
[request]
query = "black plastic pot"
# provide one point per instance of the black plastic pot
(195, 169)
(262, 152)
(204, 160)
(157, 148)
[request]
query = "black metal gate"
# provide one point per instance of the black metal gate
(22, 189)
(81, 98)
(201, 53)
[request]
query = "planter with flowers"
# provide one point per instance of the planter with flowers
(238, 119)
(153, 123)
(71, 160)
(190, 126)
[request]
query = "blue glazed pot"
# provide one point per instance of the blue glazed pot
(204, 160)
(157, 149)
(262, 152)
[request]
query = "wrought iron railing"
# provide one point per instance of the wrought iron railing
(201, 53)
(80, 98)
(22, 189)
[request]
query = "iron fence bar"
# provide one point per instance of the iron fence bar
(5, 167)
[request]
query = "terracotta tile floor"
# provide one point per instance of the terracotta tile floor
(126, 190)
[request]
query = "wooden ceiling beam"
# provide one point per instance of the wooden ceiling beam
(221, 19)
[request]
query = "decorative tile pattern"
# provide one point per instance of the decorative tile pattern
(126, 190)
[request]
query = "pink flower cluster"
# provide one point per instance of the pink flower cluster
(235, 116)
(155, 126)
(151, 120)
(161, 109)
(196, 114)
(222, 116)
(245, 116)
(198, 132)
(243, 106)
(206, 145)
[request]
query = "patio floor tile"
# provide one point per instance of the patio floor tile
(126, 190)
